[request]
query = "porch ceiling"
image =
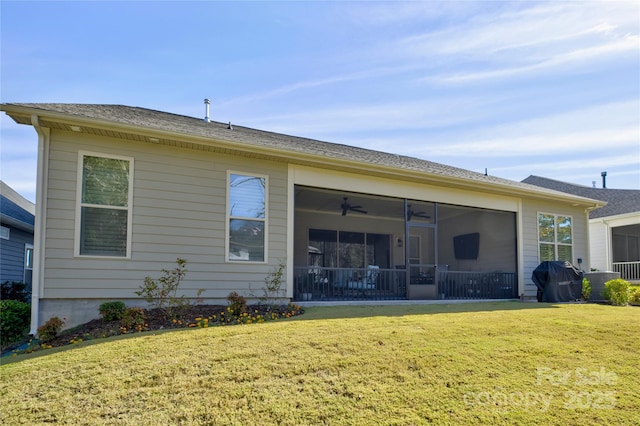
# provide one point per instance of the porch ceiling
(330, 201)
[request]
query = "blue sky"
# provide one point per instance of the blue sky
(519, 88)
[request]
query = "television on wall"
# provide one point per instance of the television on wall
(466, 246)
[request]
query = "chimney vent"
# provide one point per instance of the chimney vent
(207, 102)
(604, 179)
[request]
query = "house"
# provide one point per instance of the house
(614, 229)
(123, 191)
(16, 237)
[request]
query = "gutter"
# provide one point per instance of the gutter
(11, 221)
(40, 221)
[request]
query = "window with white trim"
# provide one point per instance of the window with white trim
(4, 232)
(555, 237)
(246, 217)
(105, 193)
(28, 256)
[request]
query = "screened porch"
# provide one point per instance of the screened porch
(352, 246)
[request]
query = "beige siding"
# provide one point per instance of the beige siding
(178, 211)
(530, 210)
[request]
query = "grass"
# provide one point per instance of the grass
(484, 363)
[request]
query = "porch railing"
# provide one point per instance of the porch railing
(629, 271)
(330, 284)
(314, 283)
(478, 285)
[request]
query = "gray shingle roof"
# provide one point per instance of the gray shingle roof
(620, 201)
(140, 119)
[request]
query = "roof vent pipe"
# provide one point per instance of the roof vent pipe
(207, 102)
(604, 179)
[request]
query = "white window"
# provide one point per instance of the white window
(4, 232)
(555, 237)
(28, 256)
(247, 203)
(104, 199)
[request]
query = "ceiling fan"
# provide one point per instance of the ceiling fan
(411, 213)
(348, 207)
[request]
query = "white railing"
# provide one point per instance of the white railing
(629, 271)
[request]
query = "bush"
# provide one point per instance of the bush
(162, 293)
(112, 311)
(617, 292)
(15, 290)
(50, 329)
(237, 303)
(586, 289)
(634, 295)
(272, 286)
(133, 318)
(14, 320)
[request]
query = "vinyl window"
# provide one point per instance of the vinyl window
(555, 237)
(103, 217)
(247, 217)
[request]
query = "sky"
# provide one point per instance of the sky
(515, 88)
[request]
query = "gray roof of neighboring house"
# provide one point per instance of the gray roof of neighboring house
(15, 210)
(136, 119)
(620, 201)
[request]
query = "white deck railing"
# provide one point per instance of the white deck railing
(629, 271)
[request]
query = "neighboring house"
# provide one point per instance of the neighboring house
(614, 229)
(124, 191)
(16, 236)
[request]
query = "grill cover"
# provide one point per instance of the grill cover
(557, 281)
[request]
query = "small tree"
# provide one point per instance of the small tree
(272, 291)
(162, 293)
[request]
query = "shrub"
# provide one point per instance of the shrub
(15, 290)
(634, 295)
(617, 292)
(14, 320)
(586, 289)
(162, 293)
(237, 303)
(133, 318)
(112, 311)
(272, 286)
(50, 329)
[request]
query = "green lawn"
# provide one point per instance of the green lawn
(483, 363)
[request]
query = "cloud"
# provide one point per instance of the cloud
(525, 38)
(19, 160)
(522, 25)
(627, 44)
(622, 169)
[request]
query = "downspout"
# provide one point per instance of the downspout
(37, 289)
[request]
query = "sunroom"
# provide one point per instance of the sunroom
(356, 246)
